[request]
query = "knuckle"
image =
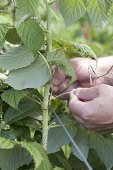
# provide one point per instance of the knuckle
(87, 126)
(87, 116)
(102, 87)
(83, 93)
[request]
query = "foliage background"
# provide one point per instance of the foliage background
(20, 111)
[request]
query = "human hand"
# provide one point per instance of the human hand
(88, 74)
(93, 107)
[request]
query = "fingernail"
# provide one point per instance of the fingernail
(77, 91)
(72, 93)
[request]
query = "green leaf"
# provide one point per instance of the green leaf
(63, 161)
(16, 58)
(75, 162)
(98, 11)
(31, 34)
(30, 123)
(14, 158)
(72, 10)
(13, 97)
(16, 154)
(25, 108)
(73, 48)
(6, 143)
(59, 57)
(12, 36)
(3, 77)
(57, 137)
(3, 31)
(70, 71)
(22, 133)
(67, 150)
(83, 143)
(57, 168)
(27, 7)
(39, 154)
(83, 49)
(33, 76)
(8, 134)
(11, 156)
(103, 147)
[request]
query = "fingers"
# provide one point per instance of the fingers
(63, 86)
(75, 104)
(103, 129)
(80, 66)
(82, 109)
(82, 102)
(60, 81)
(94, 82)
(87, 94)
(93, 113)
(78, 119)
(65, 95)
(94, 127)
(58, 77)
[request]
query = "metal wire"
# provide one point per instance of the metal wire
(73, 142)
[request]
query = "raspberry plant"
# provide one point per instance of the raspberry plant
(30, 135)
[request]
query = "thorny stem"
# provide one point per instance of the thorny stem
(14, 15)
(45, 126)
(13, 2)
(49, 32)
(14, 11)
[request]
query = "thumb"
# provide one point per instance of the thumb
(73, 97)
(76, 106)
(87, 94)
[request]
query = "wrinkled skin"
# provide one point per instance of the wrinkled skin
(91, 99)
(83, 71)
(93, 107)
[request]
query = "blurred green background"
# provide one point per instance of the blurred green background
(99, 39)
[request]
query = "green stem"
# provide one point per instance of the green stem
(45, 126)
(45, 115)
(14, 15)
(49, 32)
